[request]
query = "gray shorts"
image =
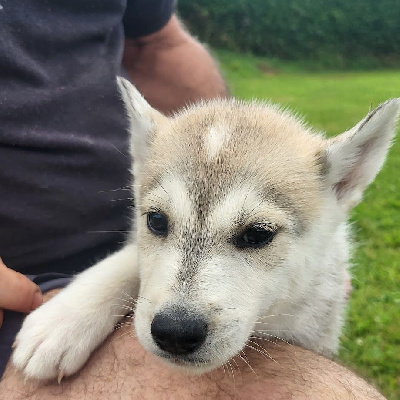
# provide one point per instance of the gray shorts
(13, 320)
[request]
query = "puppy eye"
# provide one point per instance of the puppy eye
(157, 223)
(254, 237)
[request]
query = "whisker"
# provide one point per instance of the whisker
(234, 361)
(121, 315)
(273, 315)
(129, 315)
(223, 365)
(276, 337)
(118, 337)
(144, 298)
(250, 213)
(124, 199)
(267, 356)
(119, 151)
(124, 306)
(233, 374)
(265, 339)
(116, 231)
(271, 330)
(246, 361)
(133, 299)
(128, 301)
(114, 190)
(262, 351)
(162, 187)
(127, 296)
(120, 325)
(156, 196)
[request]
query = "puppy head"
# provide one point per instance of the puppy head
(235, 205)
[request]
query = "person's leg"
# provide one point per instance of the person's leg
(122, 369)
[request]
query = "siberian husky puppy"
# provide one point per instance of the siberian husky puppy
(240, 229)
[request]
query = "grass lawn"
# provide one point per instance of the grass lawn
(333, 102)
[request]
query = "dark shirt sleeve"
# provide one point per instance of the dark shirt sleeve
(144, 17)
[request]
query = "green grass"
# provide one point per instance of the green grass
(334, 102)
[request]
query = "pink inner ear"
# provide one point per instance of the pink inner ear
(357, 174)
(340, 187)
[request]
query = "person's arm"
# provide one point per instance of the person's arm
(122, 369)
(170, 68)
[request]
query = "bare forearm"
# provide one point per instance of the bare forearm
(122, 369)
(171, 69)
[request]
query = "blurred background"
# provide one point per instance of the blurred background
(330, 61)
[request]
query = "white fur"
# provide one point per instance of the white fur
(215, 139)
(60, 335)
(269, 174)
(359, 153)
(244, 200)
(172, 192)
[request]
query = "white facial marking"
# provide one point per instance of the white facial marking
(173, 194)
(217, 137)
(243, 200)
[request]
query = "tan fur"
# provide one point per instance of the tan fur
(271, 145)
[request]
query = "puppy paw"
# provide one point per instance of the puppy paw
(55, 341)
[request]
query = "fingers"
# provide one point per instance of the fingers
(17, 292)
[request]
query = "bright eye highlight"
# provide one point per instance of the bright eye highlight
(157, 223)
(254, 237)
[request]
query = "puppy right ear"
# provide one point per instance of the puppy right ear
(356, 156)
(143, 118)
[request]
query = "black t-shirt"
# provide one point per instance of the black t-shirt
(64, 163)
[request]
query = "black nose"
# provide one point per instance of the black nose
(178, 333)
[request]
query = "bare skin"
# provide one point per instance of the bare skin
(121, 369)
(17, 292)
(171, 69)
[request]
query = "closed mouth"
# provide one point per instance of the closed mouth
(184, 361)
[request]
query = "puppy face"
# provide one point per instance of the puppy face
(219, 210)
(237, 207)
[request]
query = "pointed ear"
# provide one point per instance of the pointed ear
(144, 121)
(355, 157)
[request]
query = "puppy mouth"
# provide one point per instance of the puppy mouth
(194, 363)
(182, 360)
(178, 361)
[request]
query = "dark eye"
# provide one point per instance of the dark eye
(157, 223)
(254, 237)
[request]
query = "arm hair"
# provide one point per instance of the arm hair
(122, 369)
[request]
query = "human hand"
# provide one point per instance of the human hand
(17, 292)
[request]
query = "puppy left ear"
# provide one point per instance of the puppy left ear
(355, 157)
(143, 118)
